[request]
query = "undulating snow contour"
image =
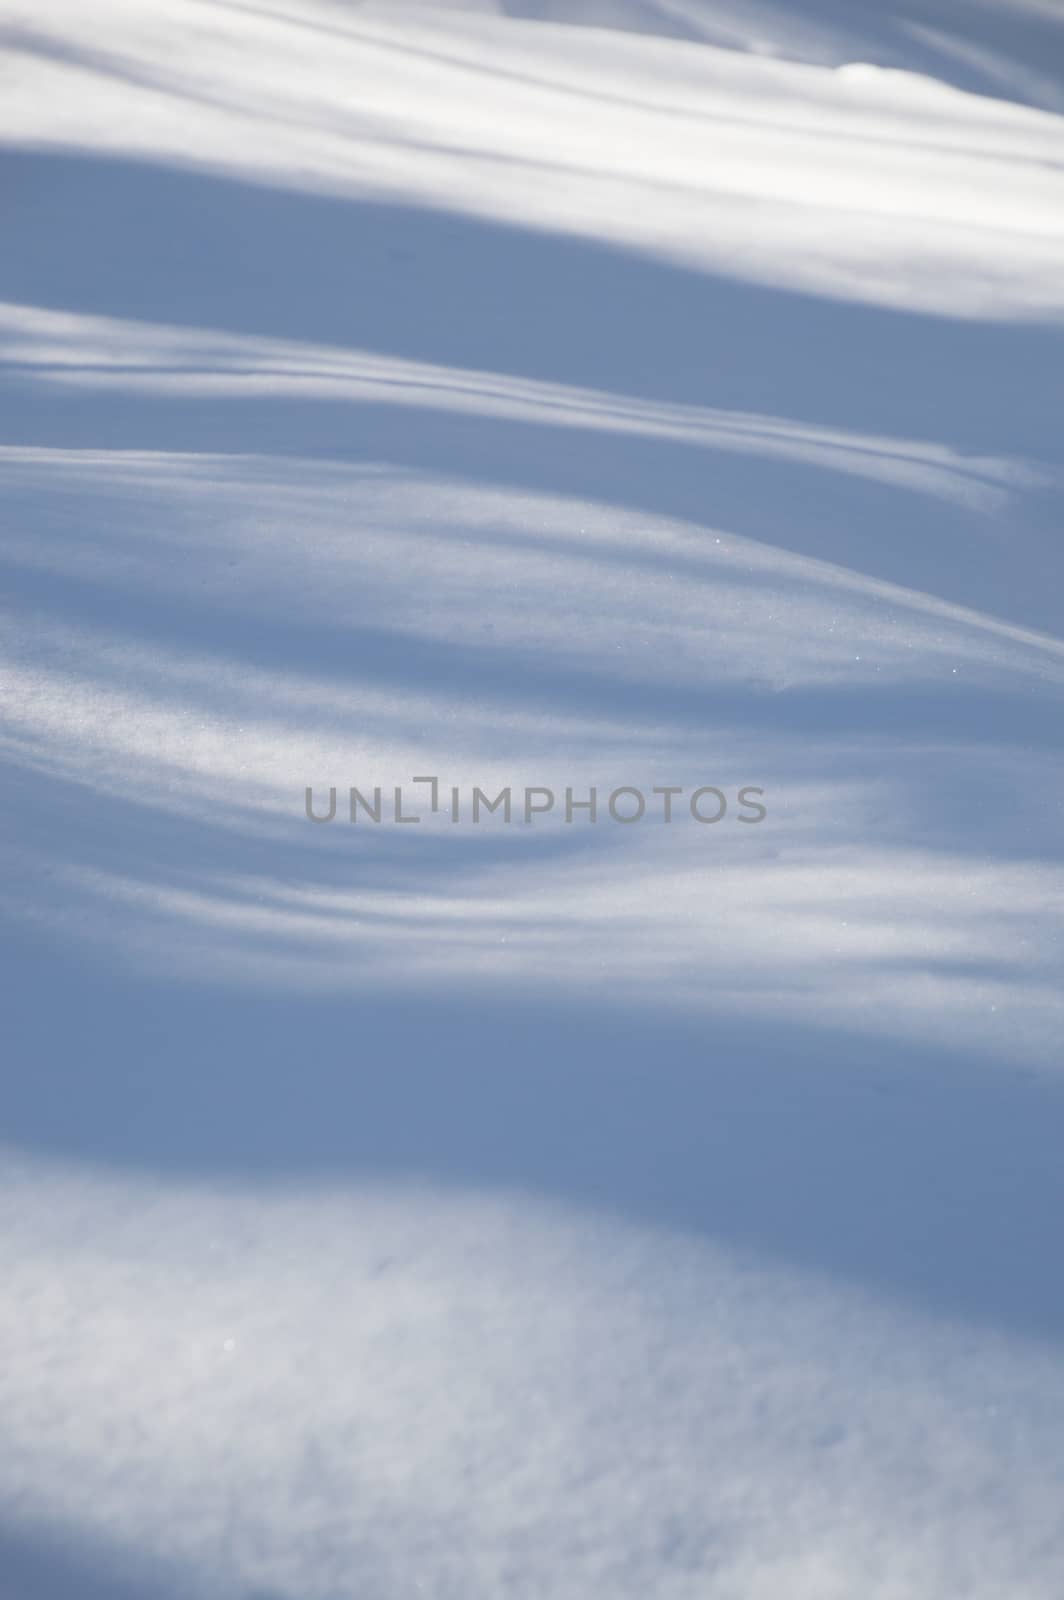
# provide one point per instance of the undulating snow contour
(419, 1181)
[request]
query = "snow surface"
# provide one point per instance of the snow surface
(541, 392)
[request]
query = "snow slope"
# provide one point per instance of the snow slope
(570, 393)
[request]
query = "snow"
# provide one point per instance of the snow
(532, 394)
